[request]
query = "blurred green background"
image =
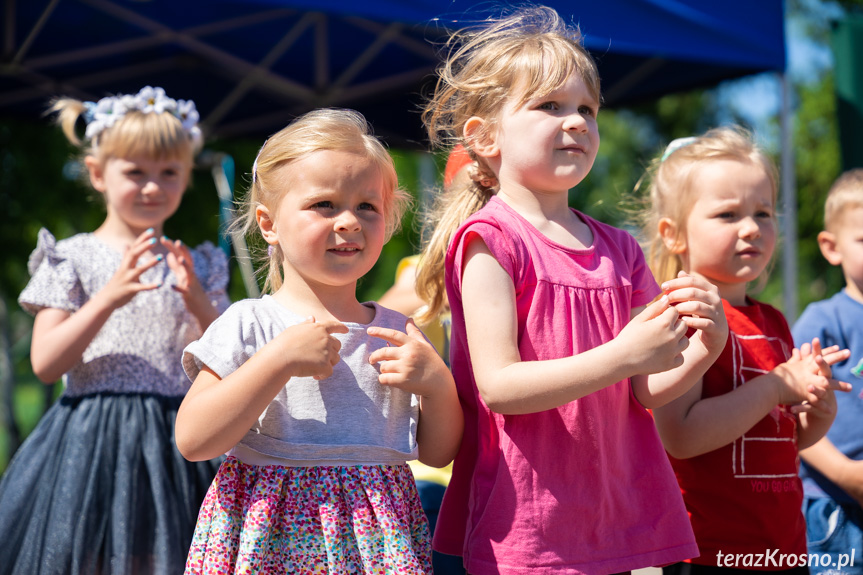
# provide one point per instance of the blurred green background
(40, 186)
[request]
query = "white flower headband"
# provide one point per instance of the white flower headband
(108, 111)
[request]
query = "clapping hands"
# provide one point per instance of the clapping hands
(808, 384)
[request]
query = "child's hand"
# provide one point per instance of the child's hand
(181, 264)
(821, 400)
(125, 284)
(802, 378)
(700, 308)
(410, 363)
(654, 340)
(310, 350)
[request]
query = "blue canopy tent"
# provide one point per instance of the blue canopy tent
(251, 65)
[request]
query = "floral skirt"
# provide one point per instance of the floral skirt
(315, 520)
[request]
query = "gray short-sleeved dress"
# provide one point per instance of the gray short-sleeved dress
(99, 486)
(319, 484)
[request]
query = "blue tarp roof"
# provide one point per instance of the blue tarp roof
(252, 65)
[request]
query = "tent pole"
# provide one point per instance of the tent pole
(222, 170)
(789, 205)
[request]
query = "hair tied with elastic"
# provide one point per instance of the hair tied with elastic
(478, 175)
(676, 144)
(109, 110)
(457, 159)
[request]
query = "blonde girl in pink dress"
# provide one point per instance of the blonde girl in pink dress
(556, 349)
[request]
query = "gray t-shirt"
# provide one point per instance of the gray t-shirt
(347, 419)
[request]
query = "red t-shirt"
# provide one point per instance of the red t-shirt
(746, 497)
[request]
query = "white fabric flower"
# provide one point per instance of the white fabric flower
(187, 113)
(107, 111)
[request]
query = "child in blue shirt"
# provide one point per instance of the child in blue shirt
(832, 469)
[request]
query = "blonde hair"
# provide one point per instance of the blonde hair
(154, 135)
(672, 190)
(325, 129)
(846, 192)
(526, 54)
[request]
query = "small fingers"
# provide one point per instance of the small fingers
(669, 314)
(823, 406)
(333, 326)
(700, 323)
(138, 249)
(324, 373)
(684, 280)
(837, 385)
(146, 287)
(334, 347)
(697, 308)
(693, 294)
(834, 357)
(139, 270)
(180, 251)
(655, 309)
(413, 331)
(391, 336)
(148, 238)
(816, 346)
(815, 394)
(391, 379)
(680, 327)
(384, 354)
(821, 364)
(804, 407)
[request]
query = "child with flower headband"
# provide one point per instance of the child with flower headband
(99, 486)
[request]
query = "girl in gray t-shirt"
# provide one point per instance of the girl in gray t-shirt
(318, 399)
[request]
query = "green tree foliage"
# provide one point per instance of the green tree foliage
(817, 162)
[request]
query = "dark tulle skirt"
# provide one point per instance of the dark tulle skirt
(100, 488)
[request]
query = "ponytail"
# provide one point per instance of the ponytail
(464, 198)
(67, 111)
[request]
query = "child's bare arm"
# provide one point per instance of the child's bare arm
(692, 425)
(216, 413)
(412, 364)
(700, 308)
(651, 343)
(836, 466)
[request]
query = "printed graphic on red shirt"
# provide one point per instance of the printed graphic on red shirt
(754, 455)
